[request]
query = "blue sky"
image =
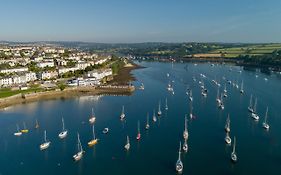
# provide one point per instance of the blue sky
(141, 20)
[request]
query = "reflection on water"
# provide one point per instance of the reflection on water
(157, 149)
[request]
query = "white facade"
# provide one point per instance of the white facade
(45, 64)
(99, 74)
(30, 76)
(64, 70)
(82, 65)
(47, 75)
(6, 81)
(15, 70)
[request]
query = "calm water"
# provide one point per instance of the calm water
(259, 151)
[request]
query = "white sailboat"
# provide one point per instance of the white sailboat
(190, 96)
(154, 118)
(159, 109)
(94, 140)
(250, 107)
(64, 132)
(227, 124)
(127, 145)
(18, 133)
(46, 143)
(138, 135)
(147, 122)
(265, 125)
(142, 86)
(224, 90)
(80, 152)
(122, 116)
(221, 105)
(233, 154)
(190, 113)
(179, 164)
(185, 146)
(254, 114)
(92, 118)
(227, 139)
(185, 132)
(166, 106)
(242, 87)
(170, 88)
(218, 96)
(36, 124)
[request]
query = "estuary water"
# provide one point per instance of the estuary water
(258, 150)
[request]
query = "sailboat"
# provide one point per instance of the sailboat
(227, 138)
(227, 124)
(154, 118)
(218, 96)
(159, 109)
(242, 88)
(191, 114)
(185, 146)
(24, 130)
(94, 140)
(138, 135)
(18, 133)
(170, 88)
(80, 152)
(142, 86)
(204, 93)
(63, 133)
(179, 164)
(185, 132)
(122, 116)
(127, 146)
(190, 96)
(221, 105)
(254, 113)
(250, 107)
(225, 91)
(166, 106)
(92, 118)
(233, 154)
(46, 143)
(147, 122)
(36, 124)
(265, 125)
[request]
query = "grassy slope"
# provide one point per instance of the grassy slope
(260, 49)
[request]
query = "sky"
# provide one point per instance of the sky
(133, 21)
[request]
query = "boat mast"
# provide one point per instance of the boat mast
(94, 136)
(265, 119)
(255, 107)
(128, 141)
(234, 145)
(138, 127)
(45, 136)
(251, 105)
(179, 159)
(147, 119)
(62, 124)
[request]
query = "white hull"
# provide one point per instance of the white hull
(45, 145)
(127, 146)
(63, 134)
(17, 133)
(78, 156)
(92, 120)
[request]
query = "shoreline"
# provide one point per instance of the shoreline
(66, 93)
(120, 85)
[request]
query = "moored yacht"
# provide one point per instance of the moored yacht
(80, 152)
(147, 122)
(94, 140)
(227, 139)
(233, 154)
(122, 116)
(159, 109)
(139, 134)
(92, 118)
(18, 133)
(127, 145)
(46, 143)
(63, 133)
(179, 164)
(265, 125)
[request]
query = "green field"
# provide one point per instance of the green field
(251, 50)
(7, 92)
